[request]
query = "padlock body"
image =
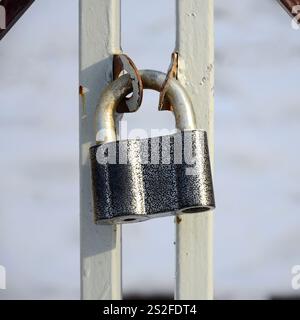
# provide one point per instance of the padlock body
(135, 180)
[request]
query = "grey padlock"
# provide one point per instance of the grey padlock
(131, 183)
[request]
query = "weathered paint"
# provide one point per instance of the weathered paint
(195, 46)
(100, 245)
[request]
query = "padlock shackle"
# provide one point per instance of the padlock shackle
(105, 122)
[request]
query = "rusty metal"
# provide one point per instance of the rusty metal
(122, 63)
(289, 6)
(164, 103)
(13, 9)
(105, 123)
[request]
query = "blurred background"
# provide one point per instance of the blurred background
(257, 170)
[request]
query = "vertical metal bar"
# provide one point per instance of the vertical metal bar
(195, 45)
(100, 245)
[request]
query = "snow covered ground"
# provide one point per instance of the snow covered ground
(257, 151)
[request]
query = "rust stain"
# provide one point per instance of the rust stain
(122, 63)
(178, 220)
(81, 90)
(83, 100)
(172, 73)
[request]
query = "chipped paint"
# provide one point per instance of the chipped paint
(178, 219)
(207, 75)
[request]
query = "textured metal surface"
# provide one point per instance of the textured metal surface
(149, 186)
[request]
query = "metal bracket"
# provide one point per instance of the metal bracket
(164, 103)
(121, 64)
(13, 10)
(290, 7)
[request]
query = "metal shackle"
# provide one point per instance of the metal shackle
(121, 87)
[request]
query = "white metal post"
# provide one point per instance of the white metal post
(195, 45)
(100, 245)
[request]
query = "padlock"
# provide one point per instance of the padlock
(131, 184)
